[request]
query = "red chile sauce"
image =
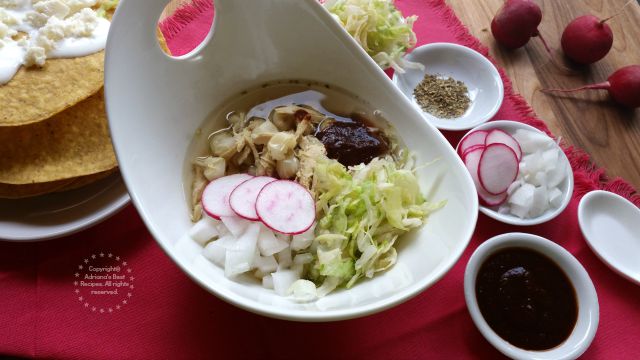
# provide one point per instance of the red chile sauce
(526, 299)
(352, 142)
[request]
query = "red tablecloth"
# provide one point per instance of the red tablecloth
(168, 316)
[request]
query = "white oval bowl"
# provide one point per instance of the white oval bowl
(157, 103)
(611, 226)
(483, 81)
(566, 186)
(588, 308)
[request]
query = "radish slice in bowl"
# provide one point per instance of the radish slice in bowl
(497, 136)
(215, 197)
(243, 198)
(286, 207)
(498, 168)
(472, 139)
(472, 160)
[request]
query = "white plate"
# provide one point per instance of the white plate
(611, 226)
(482, 79)
(54, 215)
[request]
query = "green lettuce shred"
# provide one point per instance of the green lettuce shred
(379, 28)
(106, 6)
(361, 213)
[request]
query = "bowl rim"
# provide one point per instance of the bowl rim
(572, 268)
(486, 63)
(511, 219)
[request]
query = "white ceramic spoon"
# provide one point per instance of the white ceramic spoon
(611, 226)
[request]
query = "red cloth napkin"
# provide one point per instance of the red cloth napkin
(169, 316)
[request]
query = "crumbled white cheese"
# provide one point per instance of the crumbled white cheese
(35, 56)
(8, 19)
(52, 8)
(35, 19)
(11, 4)
(7, 22)
(77, 5)
(81, 24)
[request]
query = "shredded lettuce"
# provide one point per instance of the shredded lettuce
(379, 28)
(107, 6)
(361, 213)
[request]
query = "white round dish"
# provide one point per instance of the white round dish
(484, 84)
(566, 186)
(588, 308)
(168, 99)
(54, 215)
(611, 226)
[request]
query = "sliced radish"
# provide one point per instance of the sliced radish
(286, 207)
(497, 136)
(498, 168)
(492, 200)
(243, 197)
(474, 138)
(472, 161)
(468, 150)
(215, 197)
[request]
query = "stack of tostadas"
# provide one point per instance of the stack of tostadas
(53, 128)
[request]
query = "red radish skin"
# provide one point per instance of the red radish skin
(623, 86)
(286, 207)
(497, 136)
(586, 39)
(471, 162)
(492, 200)
(243, 198)
(473, 138)
(498, 168)
(472, 148)
(215, 197)
(516, 22)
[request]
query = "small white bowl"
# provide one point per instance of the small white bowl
(588, 309)
(481, 77)
(566, 186)
(611, 224)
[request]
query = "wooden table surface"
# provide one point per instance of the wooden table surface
(609, 133)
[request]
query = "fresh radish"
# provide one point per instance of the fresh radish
(286, 207)
(243, 198)
(472, 160)
(215, 197)
(497, 136)
(587, 39)
(623, 86)
(516, 22)
(472, 148)
(498, 168)
(474, 138)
